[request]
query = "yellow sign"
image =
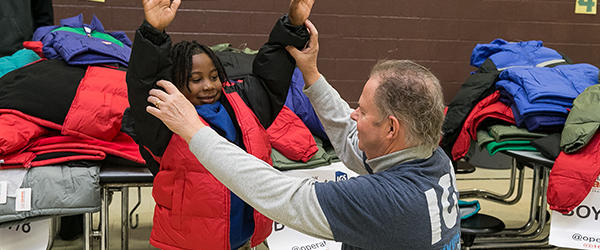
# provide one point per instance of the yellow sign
(585, 7)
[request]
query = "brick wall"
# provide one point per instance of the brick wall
(354, 34)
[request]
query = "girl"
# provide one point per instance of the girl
(193, 210)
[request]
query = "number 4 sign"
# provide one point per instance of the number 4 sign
(585, 7)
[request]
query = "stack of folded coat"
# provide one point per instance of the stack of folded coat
(536, 85)
(60, 119)
(540, 97)
(500, 137)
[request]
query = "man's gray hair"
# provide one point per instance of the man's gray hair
(412, 94)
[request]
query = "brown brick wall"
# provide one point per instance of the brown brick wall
(354, 34)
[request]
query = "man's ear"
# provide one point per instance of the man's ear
(396, 128)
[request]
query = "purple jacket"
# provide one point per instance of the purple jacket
(79, 43)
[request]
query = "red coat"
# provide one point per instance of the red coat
(90, 131)
(573, 176)
(290, 136)
(489, 107)
(192, 207)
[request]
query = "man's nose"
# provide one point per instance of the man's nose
(354, 115)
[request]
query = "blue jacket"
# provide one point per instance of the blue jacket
(545, 92)
(515, 54)
(559, 85)
(79, 43)
(300, 104)
(547, 89)
(540, 120)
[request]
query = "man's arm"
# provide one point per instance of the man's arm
(288, 200)
(334, 114)
(332, 110)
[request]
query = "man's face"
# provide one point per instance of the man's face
(371, 131)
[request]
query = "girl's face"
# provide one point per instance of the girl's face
(204, 83)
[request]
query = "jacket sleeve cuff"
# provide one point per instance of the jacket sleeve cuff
(285, 33)
(153, 34)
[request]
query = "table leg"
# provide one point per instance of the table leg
(124, 218)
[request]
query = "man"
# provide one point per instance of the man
(406, 197)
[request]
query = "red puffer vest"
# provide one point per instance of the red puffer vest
(192, 207)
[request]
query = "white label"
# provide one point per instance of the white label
(31, 236)
(3, 191)
(579, 228)
(23, 201)
(285, 238)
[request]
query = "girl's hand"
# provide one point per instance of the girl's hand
(299, 11)
(160, 13)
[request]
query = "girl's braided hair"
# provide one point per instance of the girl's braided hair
(181, 55)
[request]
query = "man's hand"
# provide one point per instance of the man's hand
(299, 11)
(174, 110)
(306, 59)
(160, 13)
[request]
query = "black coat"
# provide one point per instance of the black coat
(264, 91)
(19, 19)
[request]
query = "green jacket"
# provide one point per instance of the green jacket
(583, 120)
